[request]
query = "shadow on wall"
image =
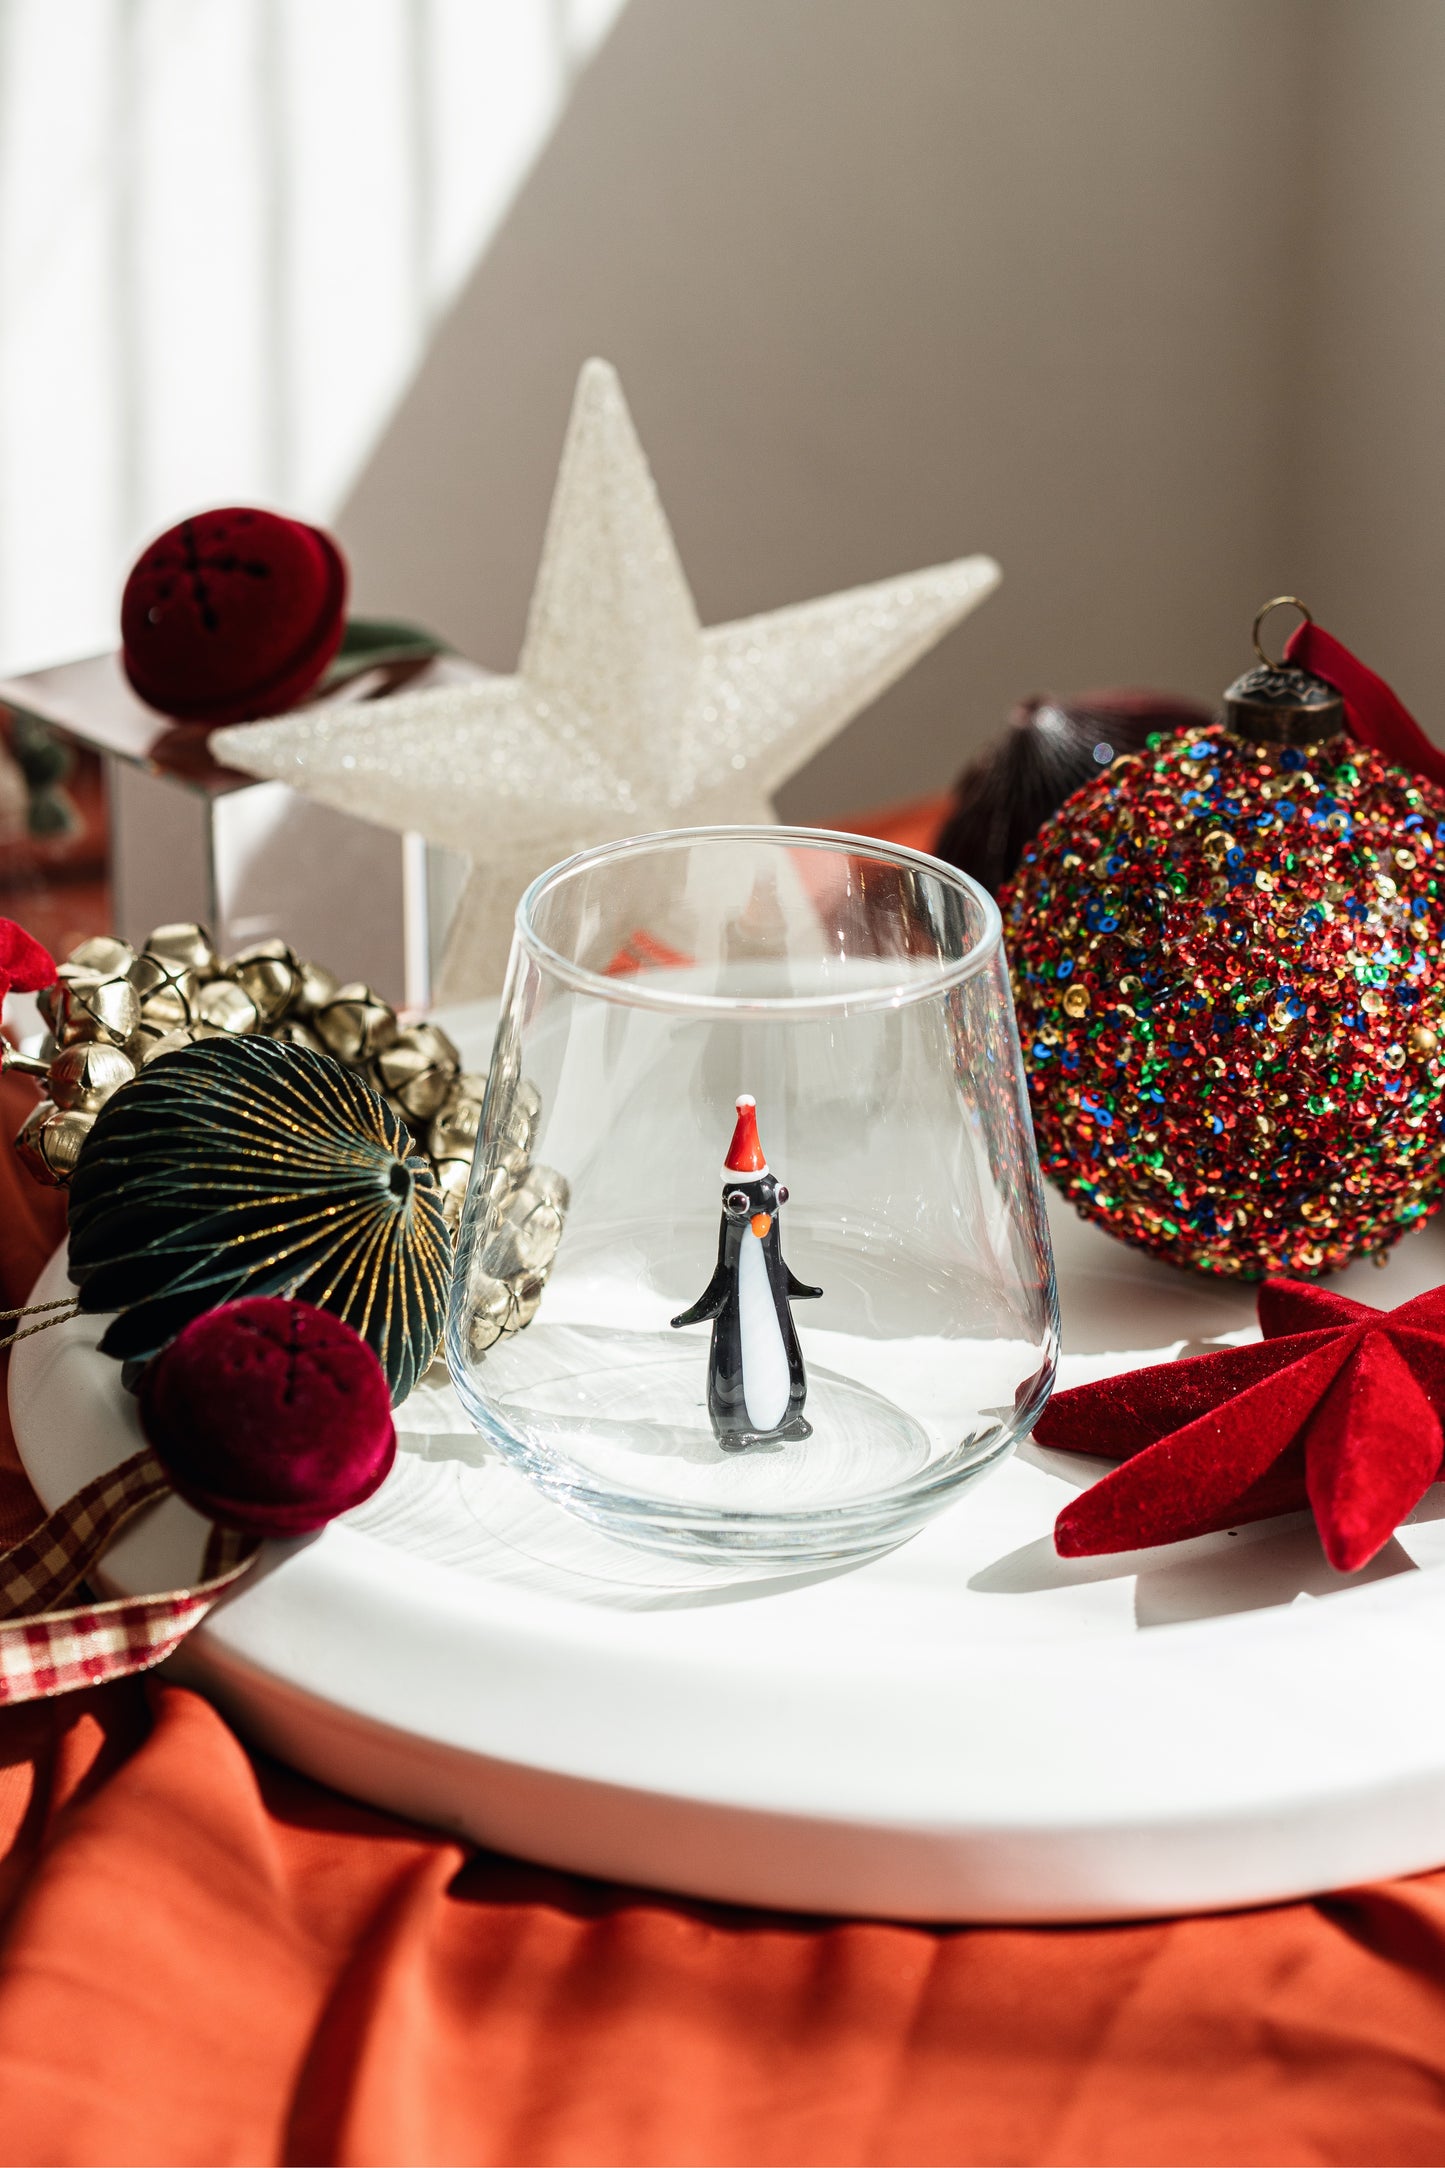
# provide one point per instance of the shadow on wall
(889, 284)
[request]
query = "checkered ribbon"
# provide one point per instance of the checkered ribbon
(44, 1651)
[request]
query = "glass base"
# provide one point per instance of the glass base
(603, 1404)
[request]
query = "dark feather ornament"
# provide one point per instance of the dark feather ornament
(244, 1166)
(1048, 751)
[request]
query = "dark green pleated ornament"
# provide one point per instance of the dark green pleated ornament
(244, 1166)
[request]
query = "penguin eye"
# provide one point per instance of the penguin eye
(782, 1193)
(736, 1202)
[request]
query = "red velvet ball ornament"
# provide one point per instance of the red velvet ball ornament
(232, 615)
(269, 1415)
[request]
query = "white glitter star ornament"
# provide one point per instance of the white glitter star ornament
(624, 714)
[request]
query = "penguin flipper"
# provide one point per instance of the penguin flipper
(709, 1303)
(797, 1292)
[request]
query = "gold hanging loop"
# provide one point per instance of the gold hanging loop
(1278, 602)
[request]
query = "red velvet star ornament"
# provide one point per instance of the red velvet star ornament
(24, 964)
(1337, 1409)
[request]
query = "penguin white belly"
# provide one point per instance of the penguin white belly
(766, 1382)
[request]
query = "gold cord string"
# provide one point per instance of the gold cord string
(67, 1305)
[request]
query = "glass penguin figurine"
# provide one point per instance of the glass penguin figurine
(756, 1383)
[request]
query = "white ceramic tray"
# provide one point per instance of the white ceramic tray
(966, 1728)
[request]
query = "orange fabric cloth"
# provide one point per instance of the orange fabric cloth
(208, 1960)
(204, 1958)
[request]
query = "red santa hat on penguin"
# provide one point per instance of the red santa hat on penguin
(745, 1161)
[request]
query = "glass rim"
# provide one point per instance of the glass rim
(628, 992)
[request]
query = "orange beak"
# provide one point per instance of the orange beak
(760, 1223)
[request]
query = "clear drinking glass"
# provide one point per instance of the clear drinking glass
(858, 993)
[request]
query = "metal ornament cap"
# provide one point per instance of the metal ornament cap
(1276, 704)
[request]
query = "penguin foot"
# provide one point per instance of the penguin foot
(738, 1441)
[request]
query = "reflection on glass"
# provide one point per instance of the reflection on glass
(858, 993)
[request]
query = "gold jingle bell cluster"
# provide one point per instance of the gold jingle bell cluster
(113, 1009)
(524, 1205)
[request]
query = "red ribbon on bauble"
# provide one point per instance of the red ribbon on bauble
(1374, 712)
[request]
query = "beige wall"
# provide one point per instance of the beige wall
(892, 280)
(1368, 399)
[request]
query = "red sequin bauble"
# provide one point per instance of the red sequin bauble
(1227, 964)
